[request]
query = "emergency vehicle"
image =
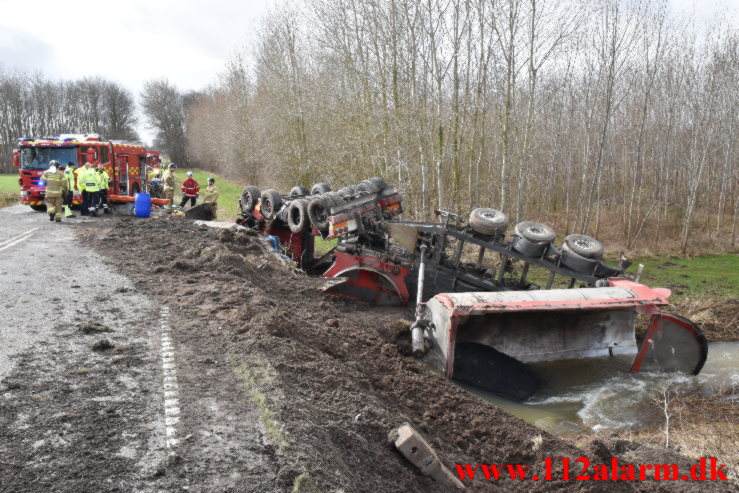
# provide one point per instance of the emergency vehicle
(125, 163)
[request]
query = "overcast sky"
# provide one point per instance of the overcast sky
(133, 41)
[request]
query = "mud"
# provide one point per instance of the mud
(325, 378)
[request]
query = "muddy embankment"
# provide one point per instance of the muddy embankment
(331, 378)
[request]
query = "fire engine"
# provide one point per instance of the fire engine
(125, 163)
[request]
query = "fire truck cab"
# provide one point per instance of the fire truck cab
(125, 163)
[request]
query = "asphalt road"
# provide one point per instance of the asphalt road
(58, 384)
(105, 385)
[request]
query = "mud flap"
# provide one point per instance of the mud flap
(368, 286)
(672, 344)
(369, 279)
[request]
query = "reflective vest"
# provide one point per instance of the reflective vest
(92, 180)
(55, 183)
(78, 173)
(104, 180)
(69, 176)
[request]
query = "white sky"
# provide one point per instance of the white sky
(132, 41)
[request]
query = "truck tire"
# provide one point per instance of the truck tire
(297, 216)
(366, 187)
(320, 188)
(535, 232)
(334, 198)
(585, 246)
(378, 182)
(347, 192)
(318, 213)
(38, 208)
(487, 221)
(271, 203)
(249, 197)
(299, 191)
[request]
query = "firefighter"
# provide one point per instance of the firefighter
(69, 174)
(211, 192)
(92, 186)
(56, 186)
(104, 186)
(190, 191)
(169, 182)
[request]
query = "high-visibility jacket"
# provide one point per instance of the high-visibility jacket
(78, 173)
(211, 194)
(104, 179)
(190, 188)
(55, 183)
(69, 176)
(92, 180)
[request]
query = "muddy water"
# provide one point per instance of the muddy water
(601, 394)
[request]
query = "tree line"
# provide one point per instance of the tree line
(613, 118)
(33, 105)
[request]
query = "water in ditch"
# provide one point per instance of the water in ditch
(601, 394)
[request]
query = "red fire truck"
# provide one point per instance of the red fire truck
(125, 163)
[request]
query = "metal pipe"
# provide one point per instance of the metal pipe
(418, 343)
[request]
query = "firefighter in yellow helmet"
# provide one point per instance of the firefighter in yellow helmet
(104, 186)
(56, 186)
(169, 183)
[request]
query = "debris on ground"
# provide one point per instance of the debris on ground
(102, 345)
(94, 328)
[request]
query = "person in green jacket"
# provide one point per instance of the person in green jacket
(91, 179)
(104, 186)
(56, 185)
(69, 194)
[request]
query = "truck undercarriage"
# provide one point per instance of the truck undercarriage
(471, 282)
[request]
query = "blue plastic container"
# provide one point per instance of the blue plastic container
(142, 205)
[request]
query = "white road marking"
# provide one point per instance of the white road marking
(169, 382)
(16, 239)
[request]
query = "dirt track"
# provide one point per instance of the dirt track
(324, 378)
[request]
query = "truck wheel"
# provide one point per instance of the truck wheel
(535, 232)
(318, 213)
(585, 246)
(319, 188)
(333, 198)
(366, 187)
(38, 208)
(249, 197)
(271, 203)
(299, 191)
(378, 182)
(297, 216)
(487, 221)
(347, 192)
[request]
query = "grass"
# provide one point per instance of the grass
(228, 192)
(9, 190)
(253, 380)
(706, 275)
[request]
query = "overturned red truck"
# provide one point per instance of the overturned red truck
(125, 163)
(470, 281)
